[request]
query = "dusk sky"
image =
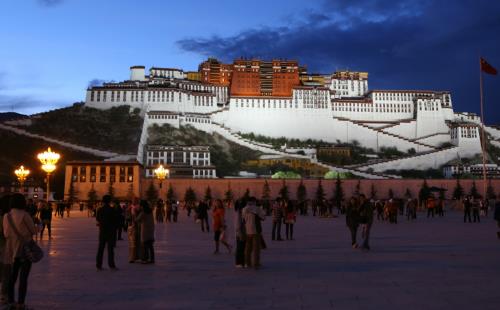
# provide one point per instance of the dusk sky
(52, 49)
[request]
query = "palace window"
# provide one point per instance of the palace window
(83, 174)
(92, 174)
(102, 174)
(122, 174)
(130, 174)
(74, 174)
(112, 174)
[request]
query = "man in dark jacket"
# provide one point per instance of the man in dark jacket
(365, 219)
(497, 215)
(107, 222)
(352, 219)
(202, 212)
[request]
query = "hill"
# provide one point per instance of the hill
(21, 150)
(7, 116)
(117, 129)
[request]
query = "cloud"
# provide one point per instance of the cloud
(99, 82)
(26, 104)
(412, 44)
(96, 82)
(50, 3)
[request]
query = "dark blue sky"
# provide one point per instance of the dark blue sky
(52, 49)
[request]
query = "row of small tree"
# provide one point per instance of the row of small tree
(284, 192)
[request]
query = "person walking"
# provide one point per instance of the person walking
(253, 216)
(134, 231)
(160, 211)
(277, 216)
(218, 225)
(175, 210)
(467, 209)
(107, 222)
(120, 219)
(18, 227)
(476, 207)
(352, 220)
(290, 219)
(431, 206)
(412, 209)
(202, 212)
(496, 215)
(46, 218)
(168, 211)
(147, 233)
(379, 205)
(4, 268)
(366, 220)
(240, 233)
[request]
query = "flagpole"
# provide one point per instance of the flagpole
(483, 140)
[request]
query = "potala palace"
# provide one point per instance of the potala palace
(279, 98)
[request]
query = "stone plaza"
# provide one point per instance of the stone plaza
(436, 263)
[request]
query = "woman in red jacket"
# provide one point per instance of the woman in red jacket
(219, 226)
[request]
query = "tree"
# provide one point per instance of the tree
(301, 192)
(208, 194)
(357, 189)
(92, 196)
(151, 193)
(473, 190)
(266, 192)
(170, 193)
(373, 192)
(189, 196)
(458, 192)
(338, 194)
(490, 192)
(424, 192)
(390, 194)
(111, 191)
(228, 195)
(246, 196)
(284, 191)
(408, 193)
(320, 193)
(72, 192)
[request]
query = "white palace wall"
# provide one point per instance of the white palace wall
(301, 123)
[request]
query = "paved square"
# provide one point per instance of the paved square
(438, 263)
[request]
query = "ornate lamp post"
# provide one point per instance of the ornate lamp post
(161, 173)
(21, 175)
(49, 160)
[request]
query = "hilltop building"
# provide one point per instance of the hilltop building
(277, 98)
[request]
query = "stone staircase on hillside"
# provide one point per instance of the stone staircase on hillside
(365, 174)
(226, 133)
(381, 131)
(366, 166)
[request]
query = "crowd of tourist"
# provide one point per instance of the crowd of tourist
(21, 220)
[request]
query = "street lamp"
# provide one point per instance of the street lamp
(49, 160)
(21, 175)
(161, 173)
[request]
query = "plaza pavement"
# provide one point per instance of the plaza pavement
(438, 263)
